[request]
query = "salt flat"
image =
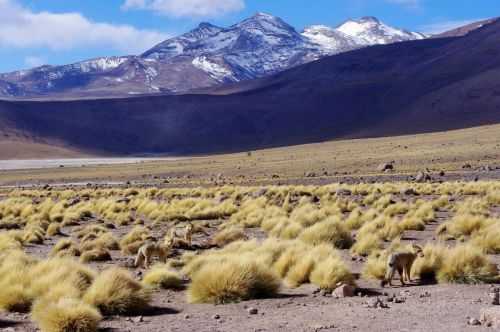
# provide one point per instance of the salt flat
(23, 164)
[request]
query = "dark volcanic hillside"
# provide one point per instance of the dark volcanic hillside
(411, 87)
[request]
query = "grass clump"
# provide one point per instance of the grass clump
(464, 225)
(330, 272)
(115, 291)
(15, 295)
(66, 315)
(487, 239)
(65, 248)
(53, 229)
(232, 281)
(331, 231)
(468, 265)
(425, 268)
(229, 235)
(95, 255)
(367, 244)
(132, 241)
(161, 277)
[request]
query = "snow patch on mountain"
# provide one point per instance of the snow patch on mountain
(101, 64)
(371, 31)
(216, 71)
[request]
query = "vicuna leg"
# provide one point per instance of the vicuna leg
(401, 276)
(139, 259)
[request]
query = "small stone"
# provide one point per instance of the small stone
(495, 296)
(490, 316)
(385, 167)
(399, 300)
(216, 316)
(187, 316)
(343, 192)
(138, 319)
(253, 311)
(473, 322)
(344, 291)
(377, 303)
(409, 192)
(425, 294)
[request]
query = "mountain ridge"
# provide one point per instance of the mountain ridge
(206, 56)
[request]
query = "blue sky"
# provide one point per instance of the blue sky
(35, 32)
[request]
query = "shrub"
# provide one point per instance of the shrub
(53, 229)
(331, 231)
(231, 281)
(15, 297)
(330, 272)
(65, 247)
(15, 294)
(488, 239)
(466, 264)
(115, 291)
(64, 273)
(9, 241)
(367, 244)
(34, 235)
(95, 255)
(161, 277)
(300, 273)
(229, 235)
(412, 224)
(426, 267)
(66, 315)
(131, 242)
(287, 260)
(464, 225)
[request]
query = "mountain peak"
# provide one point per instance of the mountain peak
(206, 25)
(266, 23)
(371, 19)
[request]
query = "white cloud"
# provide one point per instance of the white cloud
(187, 8)
(34, 61)
(443, 26)
(23, 28)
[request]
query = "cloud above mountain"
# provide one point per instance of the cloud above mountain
(23, 28)
(187, 8)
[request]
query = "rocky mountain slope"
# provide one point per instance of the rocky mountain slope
(206, 56)
(403, 88)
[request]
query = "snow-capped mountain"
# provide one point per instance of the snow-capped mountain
(206, 56)
(370, 31)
